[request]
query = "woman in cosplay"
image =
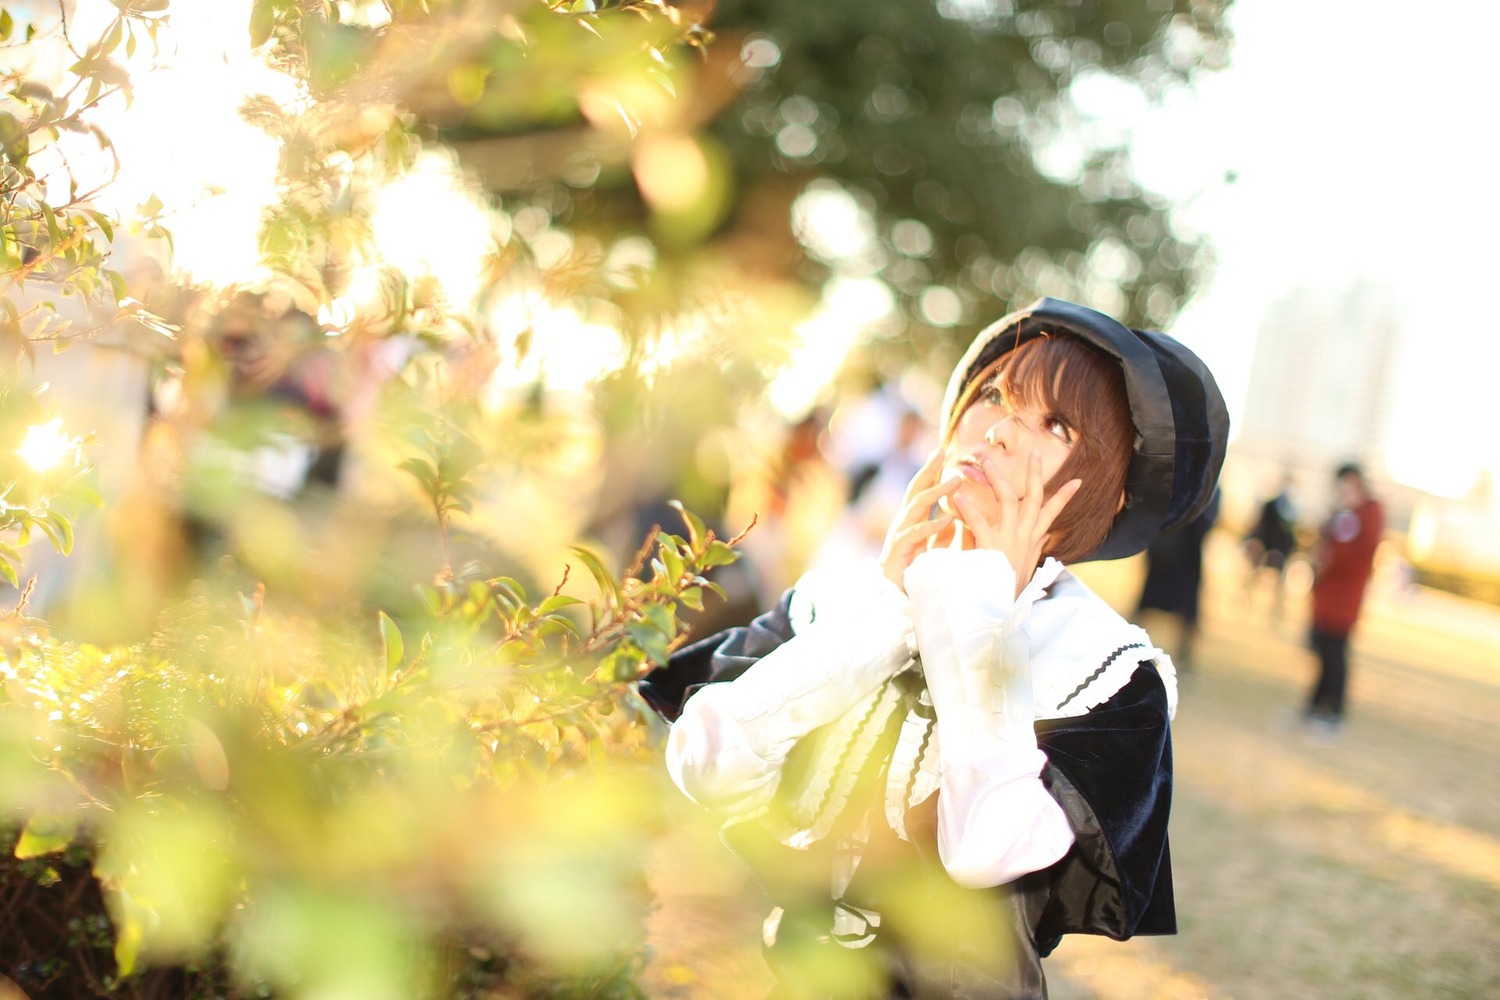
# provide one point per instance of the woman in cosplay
(940, 763)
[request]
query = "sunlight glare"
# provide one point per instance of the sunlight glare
(1437, 471)
(364, 13)
(566, 352)
(182, 139)
(45, 445)
(831, 224)
(336, 315)
(1438, 406)
(850, 306)
(433, 221)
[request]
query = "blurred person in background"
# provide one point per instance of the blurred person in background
(1269, 544)
(793, 495)
(1174, 579)
(1342, 565)
(253, 411)
(865, 434)
(860, 529)
(941, 760)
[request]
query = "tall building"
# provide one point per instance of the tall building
(1322, 380)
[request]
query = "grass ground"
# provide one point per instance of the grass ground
(1366, 869)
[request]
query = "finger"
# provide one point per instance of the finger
(909, 540)
(920, 508)
(1006, 500)
(938, 539)
(925, 476)
(922, 500)
(912, 507)
(1029, 506)
(999, 483)
(902, 545)
(1034, 482)
(919, 532)
(980, 517)
(1056, 502)
(984, 514)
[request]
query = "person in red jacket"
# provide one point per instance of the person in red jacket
(1342, 566)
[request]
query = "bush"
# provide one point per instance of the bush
(383, 790)
(264, 802)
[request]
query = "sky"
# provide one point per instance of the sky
(1357, 134)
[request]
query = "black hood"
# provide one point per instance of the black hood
(1181, 423)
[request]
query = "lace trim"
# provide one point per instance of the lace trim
(1096, 674)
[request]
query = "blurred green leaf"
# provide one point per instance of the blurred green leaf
(390, 638)
(718, 554)
(425, 472)
(46, 834)
(652, 641)
(557, 602)
(130, 931)
(609, 587)
(8, 564)
(696, 530)
(262, 20)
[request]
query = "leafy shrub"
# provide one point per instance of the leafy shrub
(456, 805)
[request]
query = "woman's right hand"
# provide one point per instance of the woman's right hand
(913, 527)
(1015, 525)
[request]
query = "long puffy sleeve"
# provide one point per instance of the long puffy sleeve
(996, 820)
(726, 747)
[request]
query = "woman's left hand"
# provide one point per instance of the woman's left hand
(1015, 525)
(912, 530)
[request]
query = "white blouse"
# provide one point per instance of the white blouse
(992, 666)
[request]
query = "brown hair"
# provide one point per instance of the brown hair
(1086, 390)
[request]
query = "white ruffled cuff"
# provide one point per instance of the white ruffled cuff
(853, 629)
(974, 654)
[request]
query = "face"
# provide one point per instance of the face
(1351, 492)
(994, 438)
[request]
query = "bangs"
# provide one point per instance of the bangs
(1067, 379)
(1058, 375)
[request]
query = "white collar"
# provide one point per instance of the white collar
(1081, 651)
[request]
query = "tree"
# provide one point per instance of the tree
(953, 124)
(294, 783)
(953, 128)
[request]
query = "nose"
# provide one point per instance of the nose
(1000, 434)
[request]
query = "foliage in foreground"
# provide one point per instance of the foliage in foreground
(322, 808)
(280, 793)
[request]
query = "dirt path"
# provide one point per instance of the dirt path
(1369, 868)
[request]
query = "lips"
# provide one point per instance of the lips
(971, 468)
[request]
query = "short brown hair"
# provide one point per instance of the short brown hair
(1086, 390)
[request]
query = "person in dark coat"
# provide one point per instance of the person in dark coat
(1174, 578)
(940, 761)
(1342, 567)
(1270, 543)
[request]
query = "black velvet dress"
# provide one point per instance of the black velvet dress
(1110, 769)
